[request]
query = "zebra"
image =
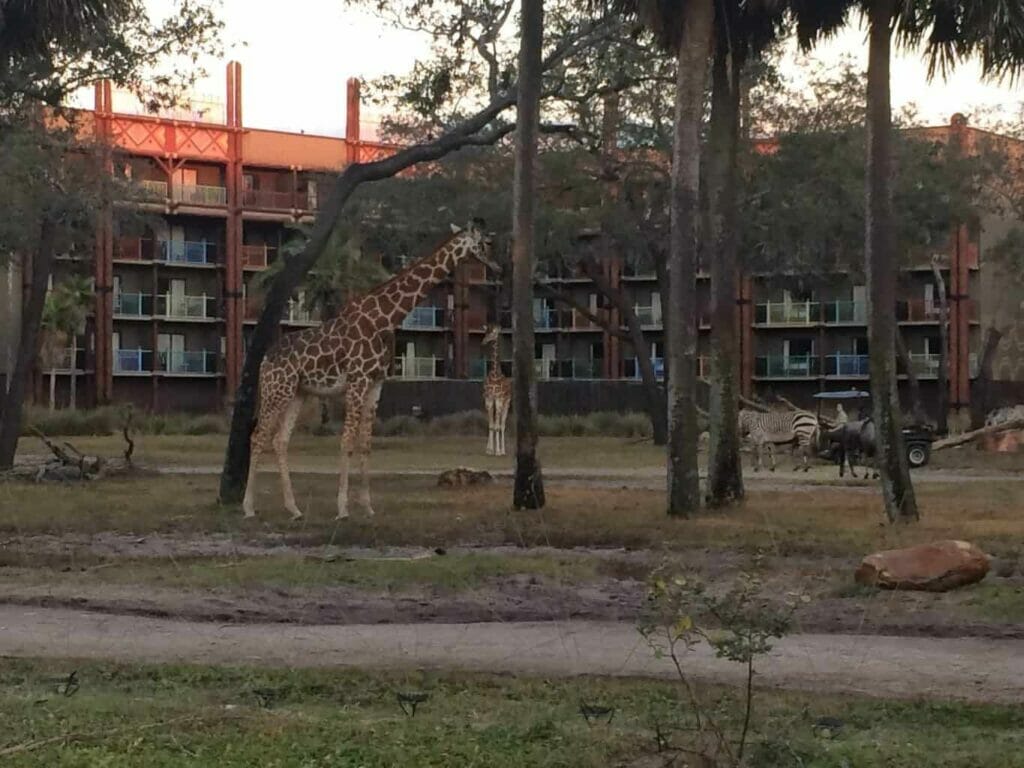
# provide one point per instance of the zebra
(766, 430)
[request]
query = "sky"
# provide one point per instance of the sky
(295, 62)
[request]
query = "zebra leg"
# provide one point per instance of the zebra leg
(771, 455)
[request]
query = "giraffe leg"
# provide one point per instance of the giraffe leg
(503, 408)
(489, 410)
(369, 414)
(259, 442)
(354, 396)
(281, 439)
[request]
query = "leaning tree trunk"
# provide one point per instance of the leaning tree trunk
(725, 470)
(943, 382)
(53, 389)
(880, 267)
(28, 345)
(981, 393)
(528, 491)
(681, 340)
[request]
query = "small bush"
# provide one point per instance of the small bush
(72, 423)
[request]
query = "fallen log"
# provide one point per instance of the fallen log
(967, 437)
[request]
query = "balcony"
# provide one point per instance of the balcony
(134, 249)
(273, 199)
(200, 194)
(782, 313)
(133, 305)
(176, 307)
(257, 256)
(561, 320)
(786, 367)
(298, 314)
(188, 363)
(845, 312)
(419, 368)
(153, 190)
(925, 364)
(632, 368)
(425, 319)
(568, 369)
(133, 361)
(479, 366)
(187, 252)
(847, 365)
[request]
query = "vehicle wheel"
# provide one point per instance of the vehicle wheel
(917, 455)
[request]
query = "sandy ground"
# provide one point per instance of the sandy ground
(969, 668)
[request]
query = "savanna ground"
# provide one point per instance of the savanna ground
(157, 544)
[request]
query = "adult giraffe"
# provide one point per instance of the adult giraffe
(497, 393)
(349, 355)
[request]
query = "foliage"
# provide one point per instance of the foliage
(64, 313)
(745, 623)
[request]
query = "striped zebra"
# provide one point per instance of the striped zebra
(766, 430)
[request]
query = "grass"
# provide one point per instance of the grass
(413, 511)
(178, 715)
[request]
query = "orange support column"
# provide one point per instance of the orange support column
(104, 261)
(234, 311)
(963, 319)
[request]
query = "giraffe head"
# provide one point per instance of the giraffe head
(491, 333)
(473, 243)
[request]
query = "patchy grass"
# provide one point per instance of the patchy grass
(124, 716)
(451, 572)
(413, 511)
(997, 601)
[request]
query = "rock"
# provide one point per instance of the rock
(936, 567)
(463, 476)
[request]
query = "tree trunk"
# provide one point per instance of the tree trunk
(943, 382)
(53, 390)
(913, 385)
(681, 340)
(28, 345)
(528, 491)
(981, 395)
(236, 460)
(880, 267)
(73, 383)
(725, 470)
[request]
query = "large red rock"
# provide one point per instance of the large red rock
(936, 567)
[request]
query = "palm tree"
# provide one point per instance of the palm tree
(684, 29)
(951, 31)
(528, 491)
(64, 313)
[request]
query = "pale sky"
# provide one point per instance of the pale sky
(296, 59)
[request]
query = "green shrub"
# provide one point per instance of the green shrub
(72, 423)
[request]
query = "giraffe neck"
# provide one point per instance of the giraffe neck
(495, 360)
(396, 298)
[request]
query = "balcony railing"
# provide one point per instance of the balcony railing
(632, 367)
(786, 367)
(186, 307)
(479, 366)
(187, 252)
(847, 365)
(153, 190)
(425, 318)
(649, 317)
(201, 362)
(133, 360)
(133, 304)
(917, 311)
(419, 368)
(200, 194)
(787, 313)
(297, 313)
(62, 361)
(134, 249)
(568, 369)
(845, 312)
(925, 364)
(272, 199)
(257, 256)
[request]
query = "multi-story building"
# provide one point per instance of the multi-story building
(177, 291)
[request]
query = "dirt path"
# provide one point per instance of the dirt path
(970, 669)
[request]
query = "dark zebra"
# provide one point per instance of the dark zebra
(766, 430)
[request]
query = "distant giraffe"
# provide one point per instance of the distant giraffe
(349, 355)
(497, 394)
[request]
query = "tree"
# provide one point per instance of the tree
(528, 491)
(439, 123)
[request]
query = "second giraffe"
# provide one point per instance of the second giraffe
(497, 394)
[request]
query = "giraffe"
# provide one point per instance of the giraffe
(497, 394)
(348, 356)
